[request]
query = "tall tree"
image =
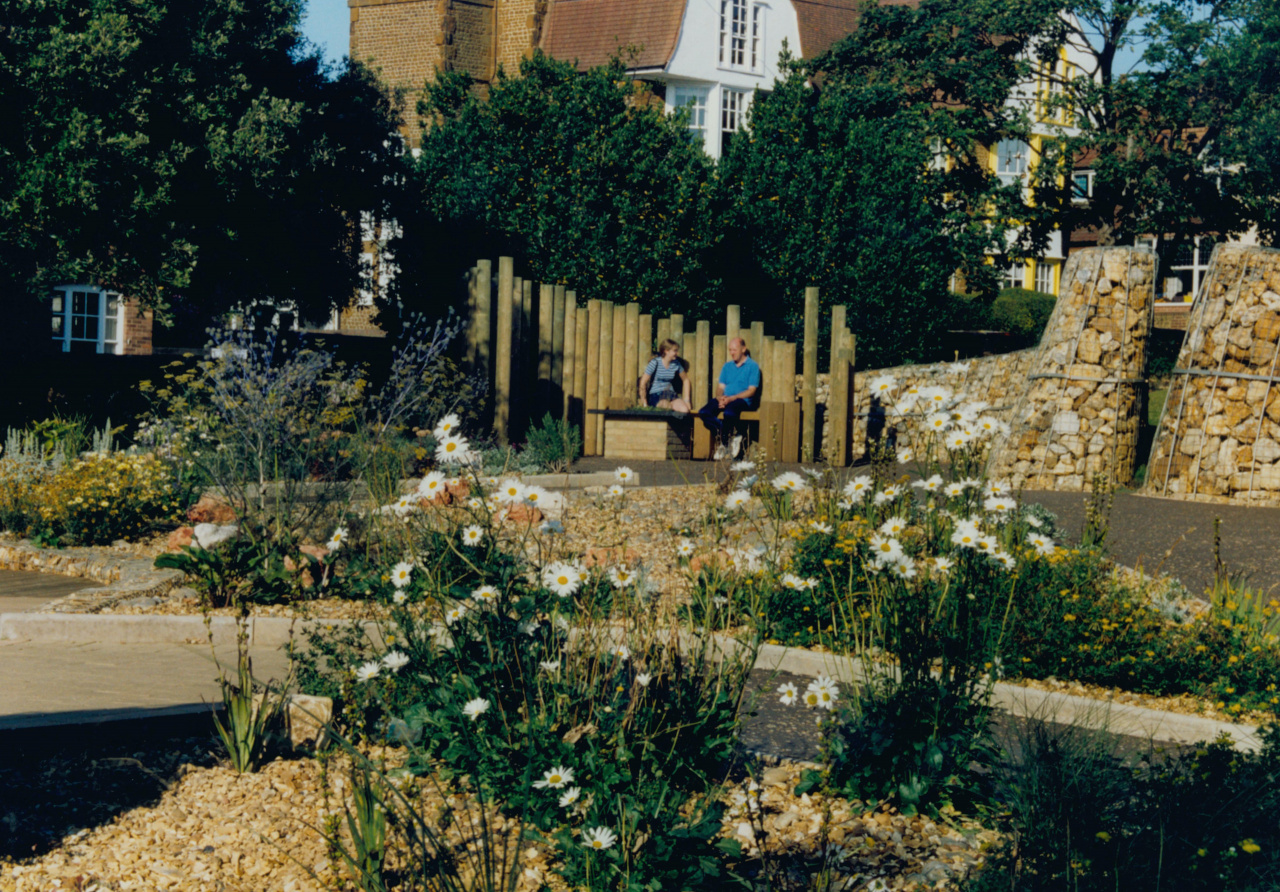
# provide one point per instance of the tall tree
(865, 170)
(193, 154)
(582, 176)
(1172, 117)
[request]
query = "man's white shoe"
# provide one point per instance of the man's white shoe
(735, 445)
(720, 454)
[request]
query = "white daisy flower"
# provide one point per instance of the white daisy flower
(455, 613)
(904, 567)
(819, 527)
(999, 505)
(954, 490)
(685, 548)
(472, 535)
(959, 439)
(885, 547)
(485, 594)
(986, 544)
(789, 694)
(931, 484)
(822, 693)
(1040, 542)
(893, 526)
(535, 495)
(943, 564)
(337, 540)
(401, 573)
(997, 487)
(966, 534)
(813, 473)
(395, 660)
(431, 485)
(453, 449)
(883, 386)
(615, 491)
(624, 474)
(368, 671)
(549, 665)
(621, 577)
(1033, 521)
(551, 528)
(562, 579)
(511, 492)
(570, 796)
(445, 426)
(859, 487)
(905, 455)
(599, 838)
(789, 481)
(643, 679)
(555, 779)
(739, 498)
(622, 652)
(475, 708)
(743, 465)
(1004, 560)
(400, 596)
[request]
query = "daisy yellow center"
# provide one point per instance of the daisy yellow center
(597, 844)
(562, 580)
(449, 447)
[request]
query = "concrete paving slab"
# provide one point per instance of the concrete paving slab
(26, 590)
(80, 628)
(46, 684)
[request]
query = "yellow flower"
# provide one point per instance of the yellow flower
(1070, 617)
(1251, 847)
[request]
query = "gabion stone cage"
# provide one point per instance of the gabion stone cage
(1219, 434)
(1079, 415)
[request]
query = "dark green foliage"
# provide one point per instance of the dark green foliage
(855, 178)
(1181, 144)
(583, 177)
(553, 444)
(184, 153)
(915, 744)
(1083, 818)
(1022, 312)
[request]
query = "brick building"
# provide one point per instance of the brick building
(89, 319)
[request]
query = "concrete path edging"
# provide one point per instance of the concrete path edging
(69, 628)
(1115, 718)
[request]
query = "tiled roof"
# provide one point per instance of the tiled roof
(592, 31)
(824, 22)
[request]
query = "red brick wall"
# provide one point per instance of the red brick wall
(359, 321)
(137, 329)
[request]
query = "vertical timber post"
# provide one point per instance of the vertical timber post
(702, 362)
(570, 351)
(631, 354)
(593, 378)
(810, 406)
(546, 297)
(577, 415)
(732, 329)
(606, 370)
(502, 345)
(556, 400)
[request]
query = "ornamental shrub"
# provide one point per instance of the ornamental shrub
(96, 499)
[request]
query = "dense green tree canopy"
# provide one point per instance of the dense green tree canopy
(1182, 142)
(191, 154)
(864, 175)
(582, 177)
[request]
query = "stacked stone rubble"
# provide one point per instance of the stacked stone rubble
(1080, 413)
(1219, 436)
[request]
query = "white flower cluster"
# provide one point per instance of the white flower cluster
(822, 693)
(958, 423)
(563, 578)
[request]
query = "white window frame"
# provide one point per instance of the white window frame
(1012, 159)
(108, 324)
(742, 35)
(1044, 277)
(1201, 253)
(694, 99)
(733, 112)
(1015, 275)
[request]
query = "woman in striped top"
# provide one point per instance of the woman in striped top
(666, 372)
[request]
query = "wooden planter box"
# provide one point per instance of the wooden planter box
(638, 435)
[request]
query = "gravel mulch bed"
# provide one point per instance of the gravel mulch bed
(162, 821)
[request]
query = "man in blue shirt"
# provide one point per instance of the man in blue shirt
(738, 391)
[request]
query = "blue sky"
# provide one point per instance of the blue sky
(327, 25)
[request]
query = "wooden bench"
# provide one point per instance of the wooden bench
(778, 436)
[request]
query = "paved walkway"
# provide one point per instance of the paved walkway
(1159, 535)
(23, 590)
(60, 683)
